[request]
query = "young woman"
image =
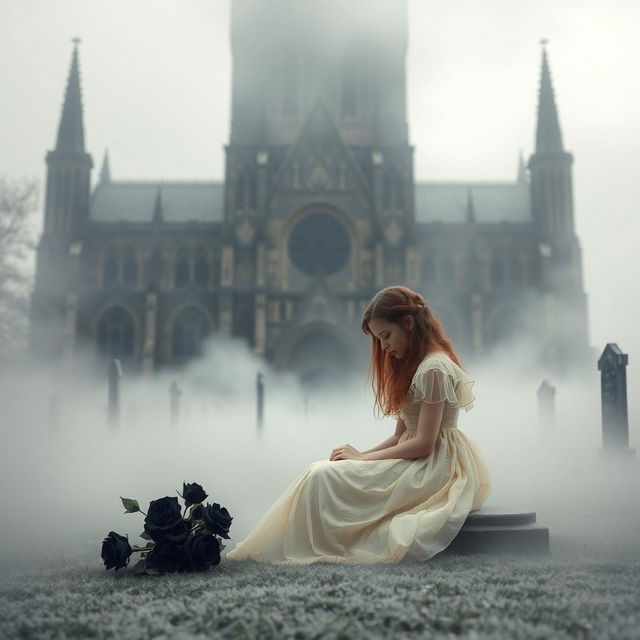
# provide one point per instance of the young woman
(407, 498)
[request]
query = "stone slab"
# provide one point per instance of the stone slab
(498, 530)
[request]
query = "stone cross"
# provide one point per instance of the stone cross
(115, 375)
(546, 406)
(613, 390)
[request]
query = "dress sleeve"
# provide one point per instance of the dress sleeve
(434, 385)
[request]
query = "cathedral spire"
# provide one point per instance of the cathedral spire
(105, 171)
(71, 130)
(548, 135)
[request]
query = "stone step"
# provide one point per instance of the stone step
(498, 516)
(495, 530)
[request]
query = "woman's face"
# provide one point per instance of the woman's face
(392, 337)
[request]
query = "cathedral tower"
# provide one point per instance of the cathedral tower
(66, 213)
(319, 173)
(560, 253)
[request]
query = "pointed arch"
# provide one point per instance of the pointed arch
(116, 333)
(202, 267)
(130, 267)
(110, 267)
(182, 268)
(316, 350)
(189, 329)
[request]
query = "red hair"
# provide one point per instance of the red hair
(392, 377)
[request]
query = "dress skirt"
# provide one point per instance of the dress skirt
(366, 511)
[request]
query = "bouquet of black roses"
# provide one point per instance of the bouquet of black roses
(176, 542)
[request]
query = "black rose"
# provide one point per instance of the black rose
(193, 494)
(168, 556)
(196, 514)
(116, 551)
(177, 535)
(215, 518)
(163, 518)
(203, 551)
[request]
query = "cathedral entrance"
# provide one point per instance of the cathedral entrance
(320, 359)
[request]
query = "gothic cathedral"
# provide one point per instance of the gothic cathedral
(318, 210)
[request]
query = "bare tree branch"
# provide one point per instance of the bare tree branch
(18, 203)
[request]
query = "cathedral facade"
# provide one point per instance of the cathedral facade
(318, 210)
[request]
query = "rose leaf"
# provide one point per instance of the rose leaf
(140, 566)
(130, 505)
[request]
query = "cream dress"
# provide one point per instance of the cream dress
(362, 511)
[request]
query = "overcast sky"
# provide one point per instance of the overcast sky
(156, 88)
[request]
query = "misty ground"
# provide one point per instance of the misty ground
(569, 594)
(63, 468)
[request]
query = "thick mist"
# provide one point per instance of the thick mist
(63, 470)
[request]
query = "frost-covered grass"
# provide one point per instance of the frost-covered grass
(72, 596)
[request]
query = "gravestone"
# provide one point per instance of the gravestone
(175, 393)
(613, 393)
(115, 375)
(260, 399)
(546, 406)
(497, 530)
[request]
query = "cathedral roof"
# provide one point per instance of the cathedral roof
(182, 202)
(492, 201)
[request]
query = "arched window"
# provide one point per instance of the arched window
(201, 269)
(182, 274)
(156, 267)
(190, 329)
(110, 268)
(115, 334)
(130, 269)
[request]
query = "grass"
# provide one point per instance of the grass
(70, 595)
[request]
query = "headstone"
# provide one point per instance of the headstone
(546, 406)
(613, 392)
(115, 375)
(175, 393)
(260, 399)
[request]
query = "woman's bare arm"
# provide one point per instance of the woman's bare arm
(391, 440)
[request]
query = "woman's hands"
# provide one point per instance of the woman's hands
(346, 452)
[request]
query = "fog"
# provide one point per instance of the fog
(62, 472)
(156, 90)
